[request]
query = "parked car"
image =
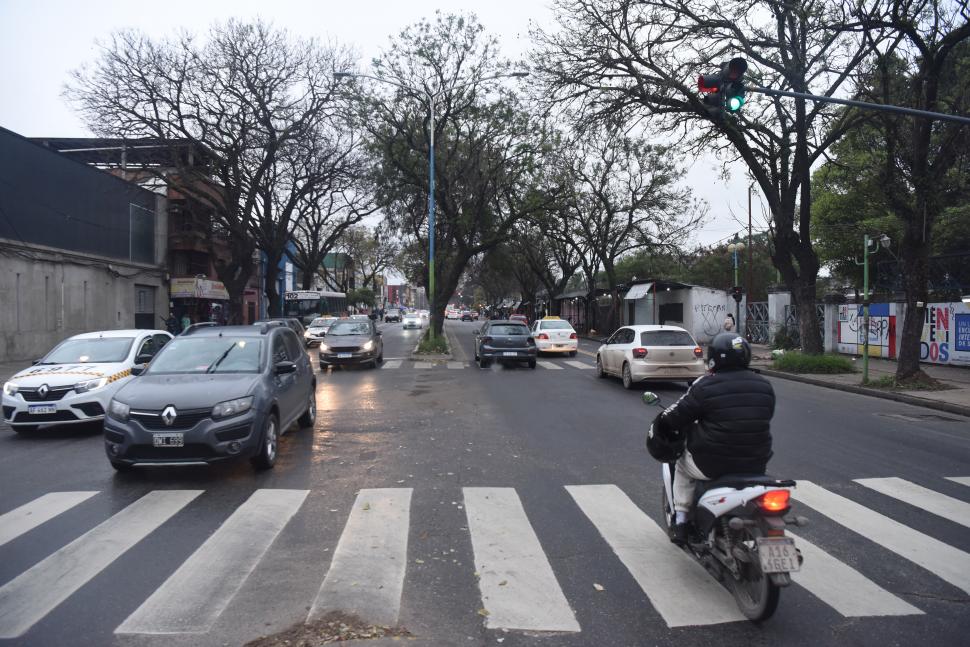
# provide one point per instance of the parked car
(76, 380)
(413, 320)
(475, 315)
(466, 315)
(555, 335)
(452, 314)
(292, 323)
(351, 342)
(214, 395)
(505, 341)
(317, 330)
(638, 353)
(520, 318)
(392, 314)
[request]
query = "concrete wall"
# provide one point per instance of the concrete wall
(704, 310)
(48, 296)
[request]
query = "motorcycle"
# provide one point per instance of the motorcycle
(737, 532)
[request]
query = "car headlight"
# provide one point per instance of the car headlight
(306, 333)
(232, 407)
(323, 347)
(369, 345)
(90, 385)
(11, 388)
(118, 410)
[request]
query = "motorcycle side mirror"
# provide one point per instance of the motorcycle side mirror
(650, 398)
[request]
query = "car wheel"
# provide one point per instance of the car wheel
(266, 457)
(484, 362)
(532, 363)
(25, 429)
(599, 367)
(121, 467)
(572, 353)
(310, 415)
(628, 382)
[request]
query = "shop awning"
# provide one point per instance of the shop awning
(638, 291)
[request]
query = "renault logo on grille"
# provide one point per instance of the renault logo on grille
(43, 391)
(168, 416)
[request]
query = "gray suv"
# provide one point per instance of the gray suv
(212, 395)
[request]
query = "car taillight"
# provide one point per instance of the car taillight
(572, 335)
(639, 353)
(698, 352)
(530, 341)
(542, 335)
(774, 500)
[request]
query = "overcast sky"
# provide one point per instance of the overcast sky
(42, 41)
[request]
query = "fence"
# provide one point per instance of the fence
(792, 322)
(758, 324)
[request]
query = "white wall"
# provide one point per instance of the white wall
(704, 310)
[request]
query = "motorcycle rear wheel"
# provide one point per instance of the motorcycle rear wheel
(756, 595)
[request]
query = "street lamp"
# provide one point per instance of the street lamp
(735, 247)
(431, 98)
(874, 244)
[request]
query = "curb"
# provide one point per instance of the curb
(415, 356)
(861, 390)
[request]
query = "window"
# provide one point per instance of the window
(666, 338)
(190, 355)
(508, 329)
(148, 347)
(556, 325)
(161, 340)
(81, 351)
(625, 336)
(280, 353)
(292, 345)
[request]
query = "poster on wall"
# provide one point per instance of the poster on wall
(882, 330)
(946, 334)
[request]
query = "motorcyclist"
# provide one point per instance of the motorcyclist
(725, 416)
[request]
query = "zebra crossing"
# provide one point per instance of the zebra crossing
(519, 588)
(545, 364)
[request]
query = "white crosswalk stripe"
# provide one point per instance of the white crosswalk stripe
(577, 364)
(196, 594)
(943, 560)
(843, 588)
(392, 363)
(550, 365)
(366, 576)
(36, 592)
(679, 588)
(939, 504)
(962, 480)
(422, 365)
(456, 364)
(519, 589)
(40, 510)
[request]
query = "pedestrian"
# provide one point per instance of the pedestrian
(729, 323)
(186, 321)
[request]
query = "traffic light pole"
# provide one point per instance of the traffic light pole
(861, 104)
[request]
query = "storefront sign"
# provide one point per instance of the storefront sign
(198, 289)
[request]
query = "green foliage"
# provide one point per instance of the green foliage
(364, 297)
(795, 362)
(437, 345)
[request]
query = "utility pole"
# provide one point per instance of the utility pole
(747, 318)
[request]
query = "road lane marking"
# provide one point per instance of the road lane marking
(33, 594)
(456, 365)
(519, 589)
(550, 365)
(193, 598)
(366, 576)
(423, 365)
(678, 587)
(392, 363)
(40, 510)
(577, 364)
(843, 588)
(943, 560)
(916, 495)
(962, 480)
(586, 352)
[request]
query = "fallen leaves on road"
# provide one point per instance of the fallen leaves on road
(483, 612)
(366, 506)
(598, 587)
(332, 628)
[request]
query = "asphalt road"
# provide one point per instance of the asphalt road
(435, 495)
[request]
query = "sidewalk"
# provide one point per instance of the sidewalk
(953, 400)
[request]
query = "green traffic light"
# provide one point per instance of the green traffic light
(734, 103)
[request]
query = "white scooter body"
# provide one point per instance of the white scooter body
(718, 501)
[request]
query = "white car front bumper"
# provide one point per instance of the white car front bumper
(70, 408)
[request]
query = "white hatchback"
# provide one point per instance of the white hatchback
(75, 381)
(555, 335)
(413, 320)
(638, 353)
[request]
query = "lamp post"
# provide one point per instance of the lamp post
(431, 98)
(735, 247)
(868, 243)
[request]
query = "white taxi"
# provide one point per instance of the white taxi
(75, 381)
(555, 335)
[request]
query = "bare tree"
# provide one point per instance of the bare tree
(372, 250)
(238, 99)
(625, 61)
(920, 70)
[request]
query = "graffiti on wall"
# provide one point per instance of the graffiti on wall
(882, 330)
(711, 317)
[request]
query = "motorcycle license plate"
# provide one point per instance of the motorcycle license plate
(168, 440)
(35, 409)
(778, 555)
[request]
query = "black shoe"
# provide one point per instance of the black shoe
(678, 534)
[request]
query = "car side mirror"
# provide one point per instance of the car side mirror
(282, 368)
(137, 369)
(605, 340)
(144, 358)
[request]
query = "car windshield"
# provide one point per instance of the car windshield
(321, 323)
(208, 355)
(508, 329)
(342, 328)
(90, 351)
(556, 325)
(666, 338)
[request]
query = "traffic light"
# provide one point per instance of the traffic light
(738, 293)
(724, 90)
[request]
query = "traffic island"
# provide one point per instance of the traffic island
(429, 349)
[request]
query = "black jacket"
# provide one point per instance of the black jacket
(727, 418)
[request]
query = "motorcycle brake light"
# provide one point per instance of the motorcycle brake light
(774, 500)
(639, 353)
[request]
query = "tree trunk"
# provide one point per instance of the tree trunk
(269, 287)
(808, 328)
(307, 283)
(914, 260)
